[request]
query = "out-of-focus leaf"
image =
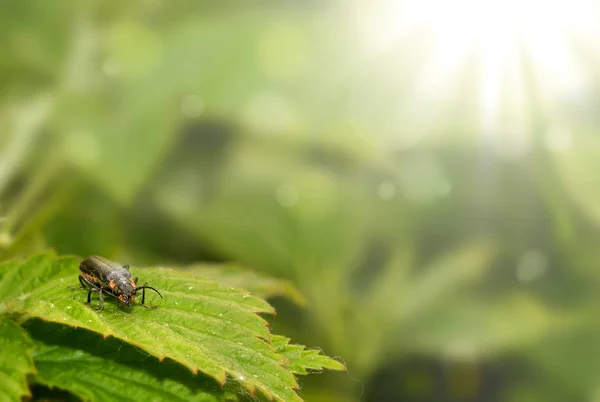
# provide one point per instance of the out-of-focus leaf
(571, 357)
(416, 293)
(260, 285)
(425, 289)
(392, 281)
(200, 324)
(27, 120)
(302, 360)
(301, 215)
(117, 150)
(575, 164)
(464, 328)
(16, 360)
(447, 275)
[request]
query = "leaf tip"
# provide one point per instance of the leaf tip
(337, 365)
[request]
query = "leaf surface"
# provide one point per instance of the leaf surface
(15, 360)
(203, 325)
(96, 369)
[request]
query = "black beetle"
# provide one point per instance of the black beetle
(105, 276)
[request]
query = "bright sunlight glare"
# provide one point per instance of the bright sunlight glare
(511, 41)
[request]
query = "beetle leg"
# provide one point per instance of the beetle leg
(100, 298)
(78, 287)
(135, 280)
(93, 288)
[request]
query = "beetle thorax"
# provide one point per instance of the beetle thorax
(124, 285)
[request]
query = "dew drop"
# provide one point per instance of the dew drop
(69, 307)
(190, 288)
(245, 296)
(89, 320)
(220, 314)
(51, 305)
(242, 378)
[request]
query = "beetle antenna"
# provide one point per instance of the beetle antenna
(148, 287)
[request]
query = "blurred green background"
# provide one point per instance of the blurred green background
(425, 172)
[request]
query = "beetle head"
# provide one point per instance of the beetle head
(124, 289)
(126, 299)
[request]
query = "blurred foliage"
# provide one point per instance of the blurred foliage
(440, 262)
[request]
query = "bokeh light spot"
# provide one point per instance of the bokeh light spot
(110, 67)
(269, 113)
(192, 106)
(5, 239)
(134, 48)
(283, 52)
(422, 179)
(287, 195)
(386, 190)
(559, 139)
(531, 266)
(82, 148)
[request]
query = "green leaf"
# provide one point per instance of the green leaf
(301, 359)
(15, 360)
(205, 326)
(260, 285)
(18, 278)
(98, 369)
